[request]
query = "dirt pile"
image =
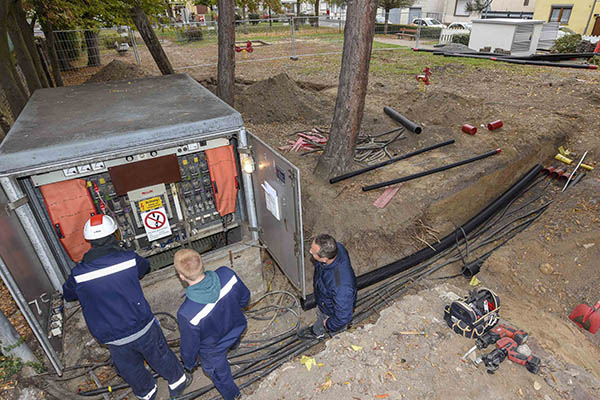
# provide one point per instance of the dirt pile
(441, 107)
(280, 99)
(118, 70)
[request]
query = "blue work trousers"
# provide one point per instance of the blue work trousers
(216, 367)
(128, 361)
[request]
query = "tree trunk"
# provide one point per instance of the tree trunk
(350, 102)
(387, 17)
(316, 13)
(93, 49)
(226, 63)
(23, 57)
(27, 33)
(9, 80)
(245, 20)
(145, 29)
(51, 45)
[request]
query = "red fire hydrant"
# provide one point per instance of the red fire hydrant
(425, 77)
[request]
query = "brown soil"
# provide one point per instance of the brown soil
(118, 70)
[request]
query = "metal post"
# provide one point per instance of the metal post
(293, 40)
(10, 342)
(339, 24)
(418, 37)
(134, 45)
(249, 190)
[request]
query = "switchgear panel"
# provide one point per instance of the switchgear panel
(177, 205)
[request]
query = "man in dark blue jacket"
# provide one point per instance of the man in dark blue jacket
(334, 285)
(106, 283)
(211, 319)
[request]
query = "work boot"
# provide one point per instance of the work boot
(178, 391)
(309, 333)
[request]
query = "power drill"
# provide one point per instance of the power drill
(507, 347)
(492, 336)
(501, 331)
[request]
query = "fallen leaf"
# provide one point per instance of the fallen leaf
(308, 362)
(382, 396)
(325, 386)
(356, 348)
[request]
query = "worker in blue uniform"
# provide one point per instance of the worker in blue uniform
(106, 283)
(211, 319)
(334, 286)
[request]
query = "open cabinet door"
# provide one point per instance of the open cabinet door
(276, 184)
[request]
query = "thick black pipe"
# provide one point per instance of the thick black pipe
(407, 123)
(396, 267)
(523, 62)
(390, 161)
(555, 56)
(431, 171)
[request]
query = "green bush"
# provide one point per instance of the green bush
(254, 18)
(595, 60)
(566, 44)
(462, 38)
(190, 34)
(108, 40)
(426, 32)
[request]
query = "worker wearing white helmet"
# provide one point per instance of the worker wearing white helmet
(106, 283)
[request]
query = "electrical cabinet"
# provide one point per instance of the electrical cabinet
(161, 156)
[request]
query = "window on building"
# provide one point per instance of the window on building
(560, 14)
(460, 9)
(525, 2)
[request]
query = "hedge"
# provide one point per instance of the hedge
(426, 32)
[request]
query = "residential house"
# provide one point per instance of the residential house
(581, 16)
(456, 10)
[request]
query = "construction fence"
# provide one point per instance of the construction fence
(194, 46)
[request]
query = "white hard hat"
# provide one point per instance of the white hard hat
(99, 226)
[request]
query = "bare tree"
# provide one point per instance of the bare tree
(387, 5)
(9, 80)
(27, 34)
(350, 102)
(140, 19)
(226, 63)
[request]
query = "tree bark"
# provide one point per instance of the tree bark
(24, 58)
(387, 17)
(245, 20)
(226, 63)
(93, 49)
(51, 45)
(354, 74)
(158, 54)
(317, 13)
(9, 80)
(27, 32)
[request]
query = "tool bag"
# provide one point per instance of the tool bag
(473, 315)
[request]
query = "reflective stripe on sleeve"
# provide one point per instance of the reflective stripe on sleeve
(113, 269)
(209, 307)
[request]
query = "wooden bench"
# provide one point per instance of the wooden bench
(407, 33)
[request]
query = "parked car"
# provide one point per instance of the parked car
(564, 31)
(429, 22)
(461, 25)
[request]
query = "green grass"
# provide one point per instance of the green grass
(406, 61)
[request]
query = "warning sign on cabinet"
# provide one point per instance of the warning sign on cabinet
(156, 223)
(150, 204)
